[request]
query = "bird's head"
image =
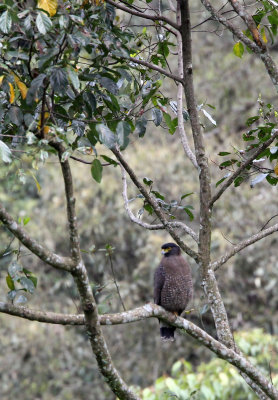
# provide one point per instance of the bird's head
(170, 249)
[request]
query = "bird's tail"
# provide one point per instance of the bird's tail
(167, 333)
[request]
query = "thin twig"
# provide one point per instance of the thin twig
(115, 281)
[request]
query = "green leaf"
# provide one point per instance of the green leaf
(106, 136)
(5, 152)
(189, 213)
(272, 180)
(185, 195)
(27, 284)
(16, 115)
(59, 80)
(238, 49)
(110, 160)
(238, 181)
(10, 282)
(251, 120)
(158, 195)
(90, 102)
(43, 22)
(147, 181)
(96, 170)
(148, 208)
(223, 153)
(171, 123)
(141, 126)
(5, 22)
(73, 78)
(157, 116)
(122, 132)
(14, 269)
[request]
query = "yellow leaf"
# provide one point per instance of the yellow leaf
(35, 179)
(263, 35)
(1, 79)
(12, 96)
(21, 86)
(276, 169)
(48, 5)
(46, 128)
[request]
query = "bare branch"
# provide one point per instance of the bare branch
(244, 165)
(175, 224)
(155, 68)
(242, 245)
(56, 261)
(143, 15)
(152, 201)
(153, 311)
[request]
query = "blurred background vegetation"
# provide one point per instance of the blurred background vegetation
(39, 361)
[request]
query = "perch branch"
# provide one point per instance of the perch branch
(153, 311)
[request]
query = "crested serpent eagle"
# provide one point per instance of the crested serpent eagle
(173, 287)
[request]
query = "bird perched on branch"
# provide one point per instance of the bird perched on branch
(173, 287)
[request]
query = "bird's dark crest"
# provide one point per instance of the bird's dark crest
(166, 245)
(170, 249)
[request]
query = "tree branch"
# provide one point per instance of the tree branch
(249, 21)
(270, 65)
(143, 15)
(209, 282)
(56, 261)
(153, 311)
(181, 129)
(175, 224)
(71, 213)
(244, 165)
(245, 243)
(155, 68)
(152, 201)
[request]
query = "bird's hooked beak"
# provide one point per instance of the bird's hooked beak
(165, 251)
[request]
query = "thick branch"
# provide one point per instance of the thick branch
(152, 201)
(150, 311)
(35, 247)
(175, 224)
(242, 245)
(243, 166)
(209, 282)
(181, 129)
(143, 15)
